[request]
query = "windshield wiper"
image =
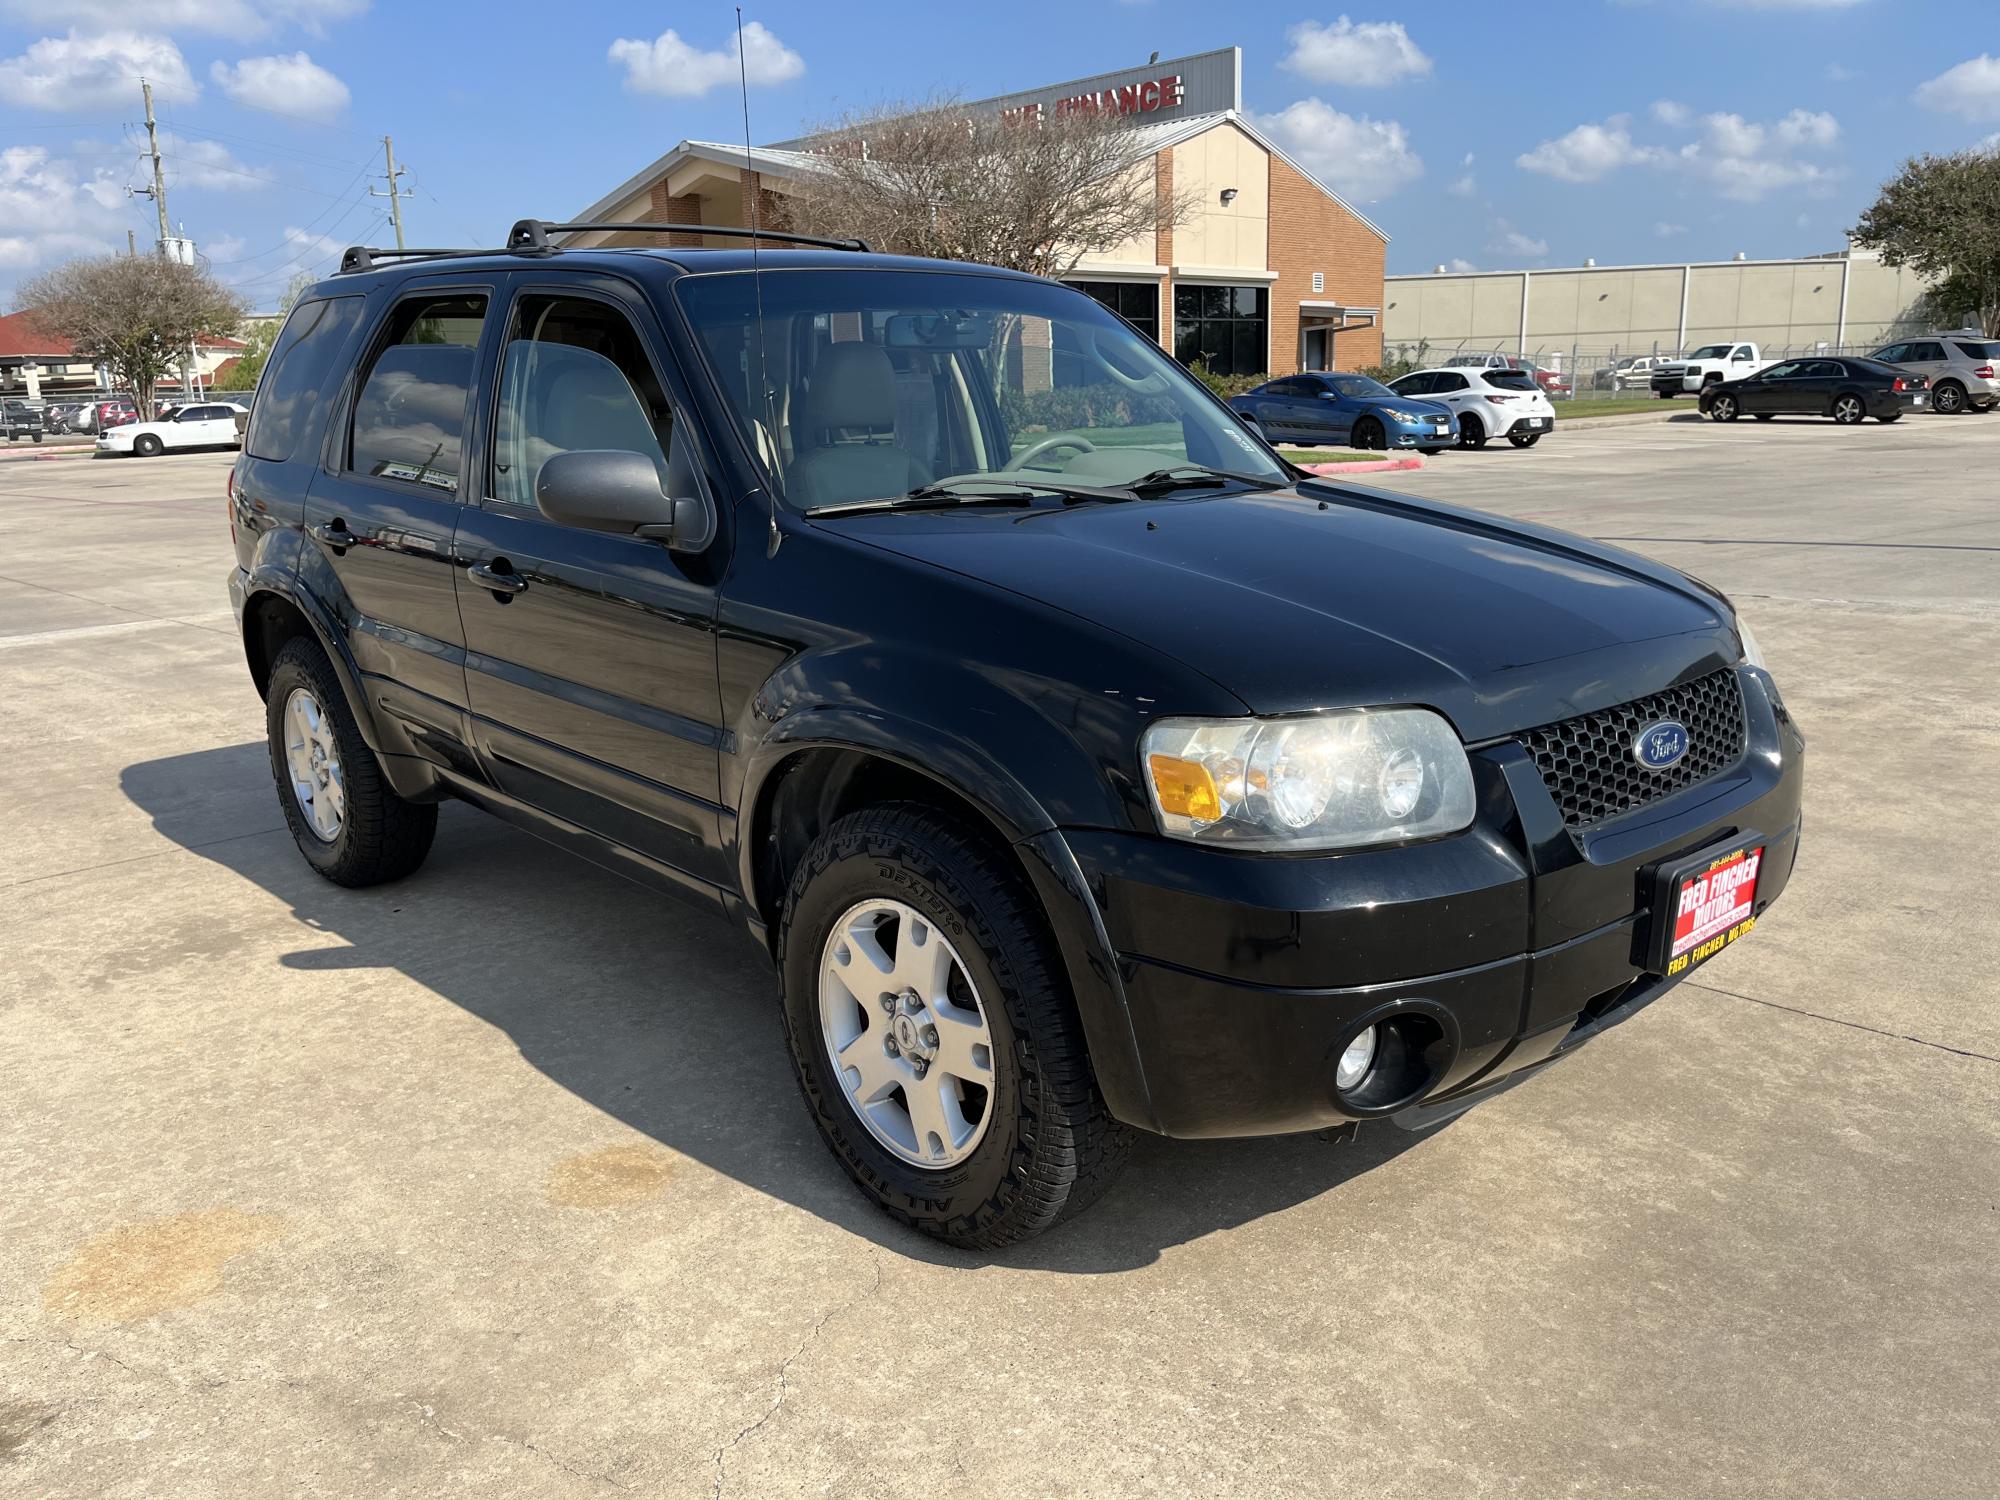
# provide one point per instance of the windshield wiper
(953, 492)
(1194, 477)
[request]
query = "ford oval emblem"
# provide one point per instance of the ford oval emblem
(1660, 745)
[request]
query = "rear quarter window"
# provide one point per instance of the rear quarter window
(1981, 351)
(299, 376)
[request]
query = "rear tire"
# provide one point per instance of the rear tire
(378, 836)
(1471, 432)
(1043, 1146)
(1948, 397)
(1848, 409)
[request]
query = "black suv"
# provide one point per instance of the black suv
(21, 420)
(1082, 766)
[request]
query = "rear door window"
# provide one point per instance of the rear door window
(300, 374)
(409, 419)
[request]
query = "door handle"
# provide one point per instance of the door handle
(503, 581)
(334, 534)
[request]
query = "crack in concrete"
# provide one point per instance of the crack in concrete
(1811, 1015)
(427, 1416)
(86, 1353)
(784, 1381)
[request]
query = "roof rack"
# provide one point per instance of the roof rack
(532, 235)
(368, 257)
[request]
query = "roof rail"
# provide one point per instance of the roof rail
(532, 235)
(367, 257)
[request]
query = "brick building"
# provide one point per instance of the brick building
(1272, 272)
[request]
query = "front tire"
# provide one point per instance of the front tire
(1724, 409)
(346, 819)
(1763, 416)
(146, 445)
(1524, 439)
(1370, 435)
(933, 1034)
(1471, 432)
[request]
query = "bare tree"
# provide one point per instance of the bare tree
(135, 313)
(1035, 194)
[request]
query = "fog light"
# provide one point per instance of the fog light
(1354, 1062)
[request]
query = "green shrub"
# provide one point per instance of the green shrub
(1225, 386)
(1068, 408)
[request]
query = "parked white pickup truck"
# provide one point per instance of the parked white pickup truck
(1706, 365)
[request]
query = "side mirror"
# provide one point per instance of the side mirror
(617, 490)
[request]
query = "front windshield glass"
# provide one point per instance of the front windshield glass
(1712, 351)
(882, 382)
(1359, 385)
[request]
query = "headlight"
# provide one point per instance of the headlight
(1408, 416)
(1753, 655)
(1320, 781)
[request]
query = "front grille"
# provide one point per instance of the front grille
(1587, 761)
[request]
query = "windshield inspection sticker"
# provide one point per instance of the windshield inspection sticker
(1242, 440)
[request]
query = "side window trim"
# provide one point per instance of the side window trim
(337, 460)
(632, 307)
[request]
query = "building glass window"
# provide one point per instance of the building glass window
(1226, 327)
(1137, 302)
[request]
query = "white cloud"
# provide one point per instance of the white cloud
(1357, 54)
(208, 165)
(315, 247)
(225, 247)
(215, 17)
(1588, 152)
(667, 65)
(1361, 158)
(1835, 73)
(48, 214)
(1668, 112)
(1742, 159)
(78, 72)
(1665, 231)
(294, 85)
(1510, 241)
(1461, 265)
(1465, 184)
(1971, 90)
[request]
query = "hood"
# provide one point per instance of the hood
(1331, 596)
(1394, 402)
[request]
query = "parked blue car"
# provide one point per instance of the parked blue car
(1325, 408)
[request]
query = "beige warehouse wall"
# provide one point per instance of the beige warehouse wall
(1632, 310)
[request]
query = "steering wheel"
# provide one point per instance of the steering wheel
(1049, 444)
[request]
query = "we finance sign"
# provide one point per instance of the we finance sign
(1143, 98)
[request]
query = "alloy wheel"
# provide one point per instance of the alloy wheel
(1848, 409)
(1723, 409)
(1947, 399)
(907, 1034)
(312, 761)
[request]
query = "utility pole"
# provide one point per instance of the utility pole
(131, 243)
(394, 195)
(158, 192)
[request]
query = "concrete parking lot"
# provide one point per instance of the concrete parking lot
(495, 1182)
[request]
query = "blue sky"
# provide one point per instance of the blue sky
(1492, 136)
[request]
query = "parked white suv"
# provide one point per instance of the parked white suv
(1963, 368)
(1488, 403)
(213, 424)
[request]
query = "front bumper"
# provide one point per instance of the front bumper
(1512, 943)
(1424, 434)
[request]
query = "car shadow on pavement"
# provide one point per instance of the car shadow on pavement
(667, 1019)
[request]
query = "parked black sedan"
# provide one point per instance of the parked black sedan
(1847, 389)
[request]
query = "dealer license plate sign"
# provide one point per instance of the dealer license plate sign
(1706, 904)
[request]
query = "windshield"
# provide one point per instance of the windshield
(884, 382)
(1358, 385)
(1712, 351)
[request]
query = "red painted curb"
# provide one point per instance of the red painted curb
(1373, 466)
(33, 458)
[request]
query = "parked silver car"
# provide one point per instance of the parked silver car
(1962, 368)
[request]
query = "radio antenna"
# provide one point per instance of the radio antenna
(757, 286)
